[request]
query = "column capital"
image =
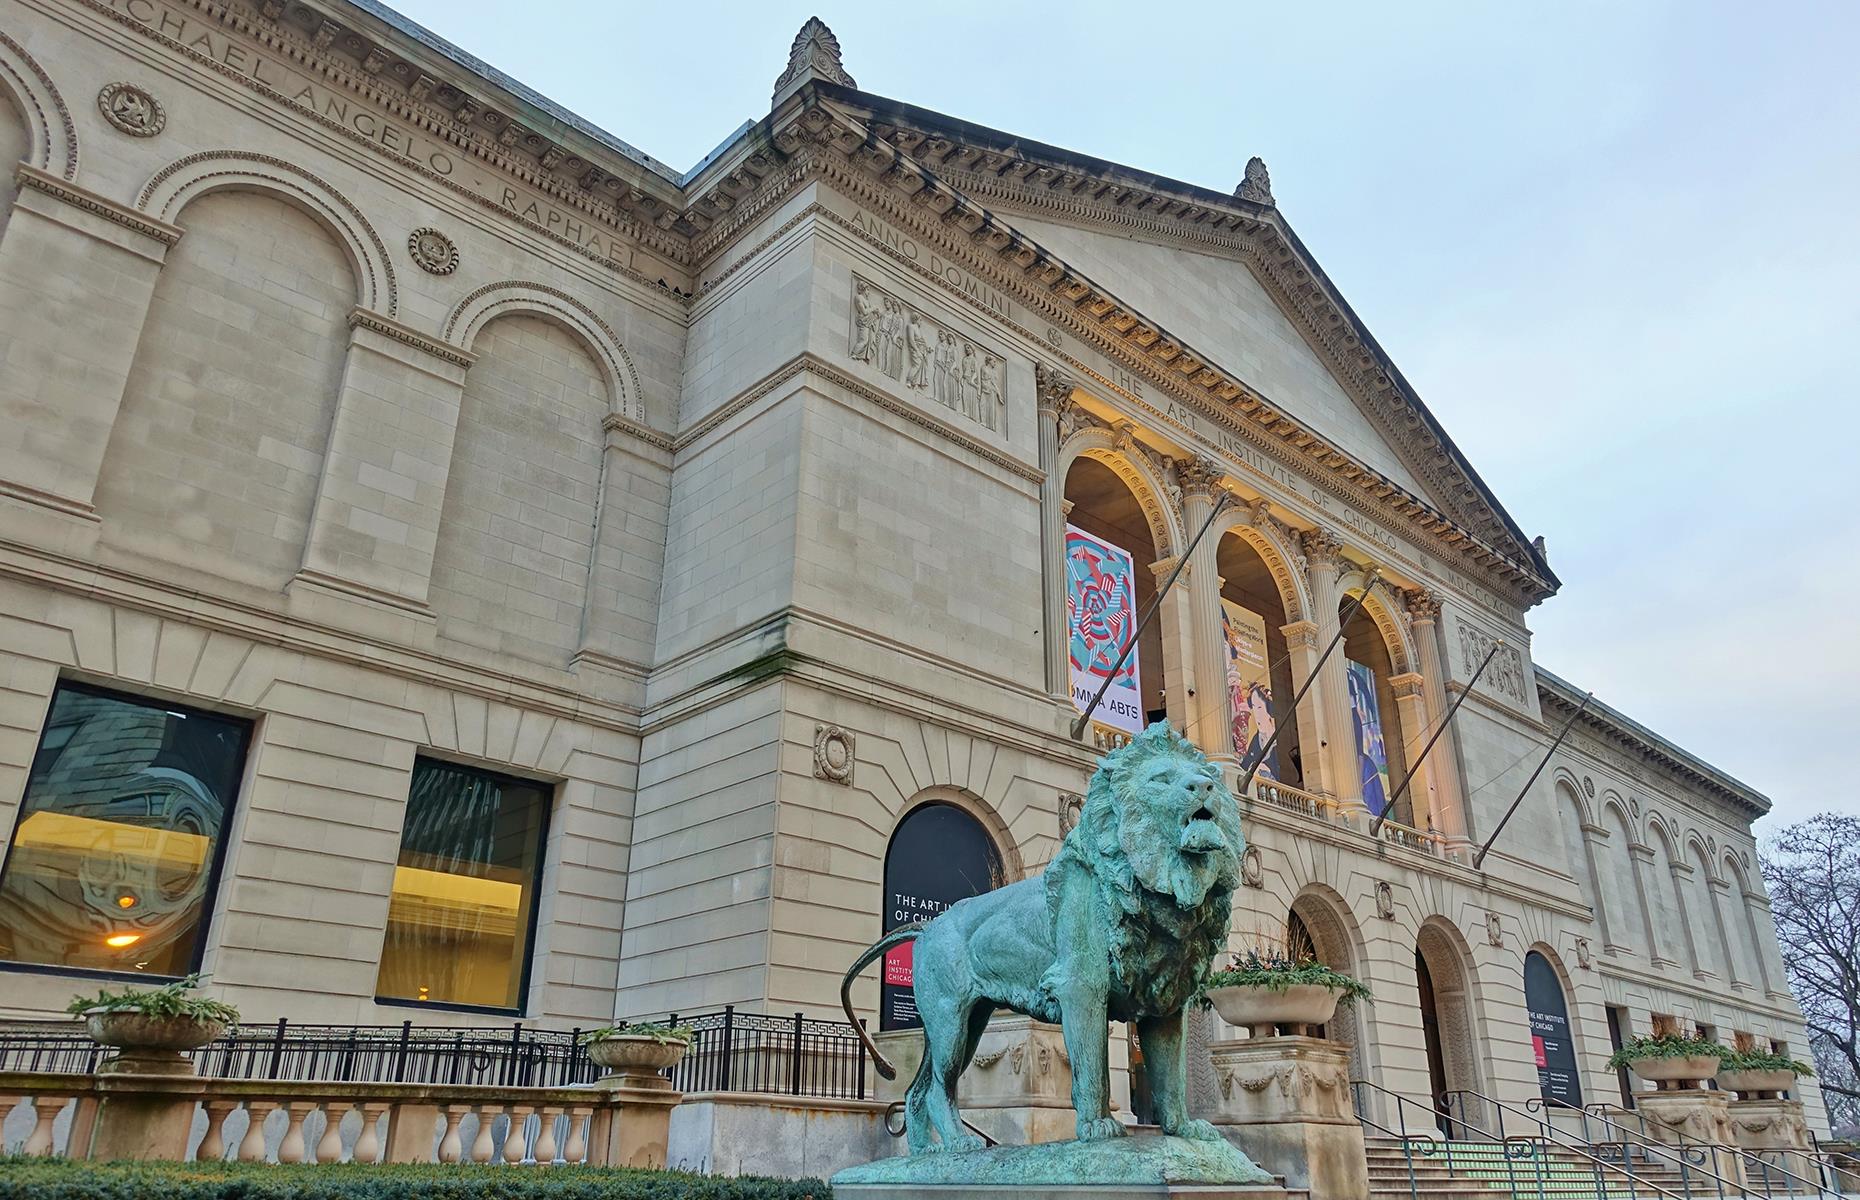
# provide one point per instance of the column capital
(1199, 477)
(1301, 634)
(1322, 548)
(1423, 605)
(1408, 684)
(1054, 388)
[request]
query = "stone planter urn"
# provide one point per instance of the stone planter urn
(637, 1054)
(1757, 1084)
(1260, 1010)
(148, 1045)
(1675, 1073)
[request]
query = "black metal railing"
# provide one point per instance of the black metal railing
(730, 1051)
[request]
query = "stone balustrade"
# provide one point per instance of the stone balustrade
(621, 1120)
(1285, 797)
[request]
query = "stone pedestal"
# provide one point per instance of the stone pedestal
(1774, 1132)
(1695, 1115)
(143, 1117)
(1018, 1089)
(1286, 1102)
(634, 1129)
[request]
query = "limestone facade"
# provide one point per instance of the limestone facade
(353, 389)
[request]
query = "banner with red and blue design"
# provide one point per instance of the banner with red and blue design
(1101, 614)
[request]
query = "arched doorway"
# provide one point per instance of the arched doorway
(1553, 1039)
(1445, 984)
(1259, 683)
(1110, 550)
(1319, 927)
(938, 854)
(1376, 733)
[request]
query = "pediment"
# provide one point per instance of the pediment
(1041, 209)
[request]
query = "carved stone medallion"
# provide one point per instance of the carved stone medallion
(1071, 808)
(433, 251)
(1494, 929)
(1582, 953)
(1252, 867)
(833, 754)
(131, 109)
(1385, 900)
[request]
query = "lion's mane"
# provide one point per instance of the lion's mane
(1164, 937)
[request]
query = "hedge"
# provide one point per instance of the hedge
(59, 1179)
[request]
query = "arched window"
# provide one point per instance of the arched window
(938, 855)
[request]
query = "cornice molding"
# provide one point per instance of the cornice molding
(156, 230)
(362, 318)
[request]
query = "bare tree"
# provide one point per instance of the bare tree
(1813, 872)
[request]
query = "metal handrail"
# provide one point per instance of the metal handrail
(1684, 1165)
(1401, 1103)
(1601, 1112)
(1549, 1137)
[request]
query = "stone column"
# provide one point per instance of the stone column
(1209, 721)
(1679, 872)
(77, 272)
(1301, 649)
(1055, 395)
(1411, 707)
(633, 1127)
(1177, 637)
(1640, 859)
(1773, 1131)
(142, 1117)
(1717, 892)
(1018, 1088)
(616, 626)
(1449, 813)
(1323, 563)
(368, 558)
(1591, 832)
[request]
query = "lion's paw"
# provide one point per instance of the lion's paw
(965, 1143)
(1100, 1129)
(1198, 1131)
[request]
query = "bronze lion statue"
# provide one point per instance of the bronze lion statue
(1122, 925)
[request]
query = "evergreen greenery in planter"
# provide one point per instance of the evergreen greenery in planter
(1664, 1046)
(169, 1001)
(1279, 972)
(1764, 1060)
(658, 1031)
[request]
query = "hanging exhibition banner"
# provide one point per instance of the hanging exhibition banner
(1557, 1078)
(1249, 687)
(1101, 614)
(1372, 758)
(938, 855)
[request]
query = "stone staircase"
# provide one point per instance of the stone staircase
(1462, 1170)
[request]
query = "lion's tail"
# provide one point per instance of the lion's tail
(898, 936)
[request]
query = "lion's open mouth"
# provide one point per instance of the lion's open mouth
(1200, 835)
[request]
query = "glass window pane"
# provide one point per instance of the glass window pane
(459, 922)
(119, 834)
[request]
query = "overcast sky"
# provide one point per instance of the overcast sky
(1615, 247)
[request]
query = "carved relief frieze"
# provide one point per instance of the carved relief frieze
(1506, 674)
(132, 110)
(898, 339)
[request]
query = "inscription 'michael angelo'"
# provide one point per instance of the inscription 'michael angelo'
(397, 138)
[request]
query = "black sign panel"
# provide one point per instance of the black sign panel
(1558, 1080)
(939, 855)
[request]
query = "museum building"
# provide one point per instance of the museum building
(458, 570)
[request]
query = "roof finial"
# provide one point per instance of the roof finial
(1257, 185)
(814, 55)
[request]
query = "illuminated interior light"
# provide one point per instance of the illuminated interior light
(119, 940)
